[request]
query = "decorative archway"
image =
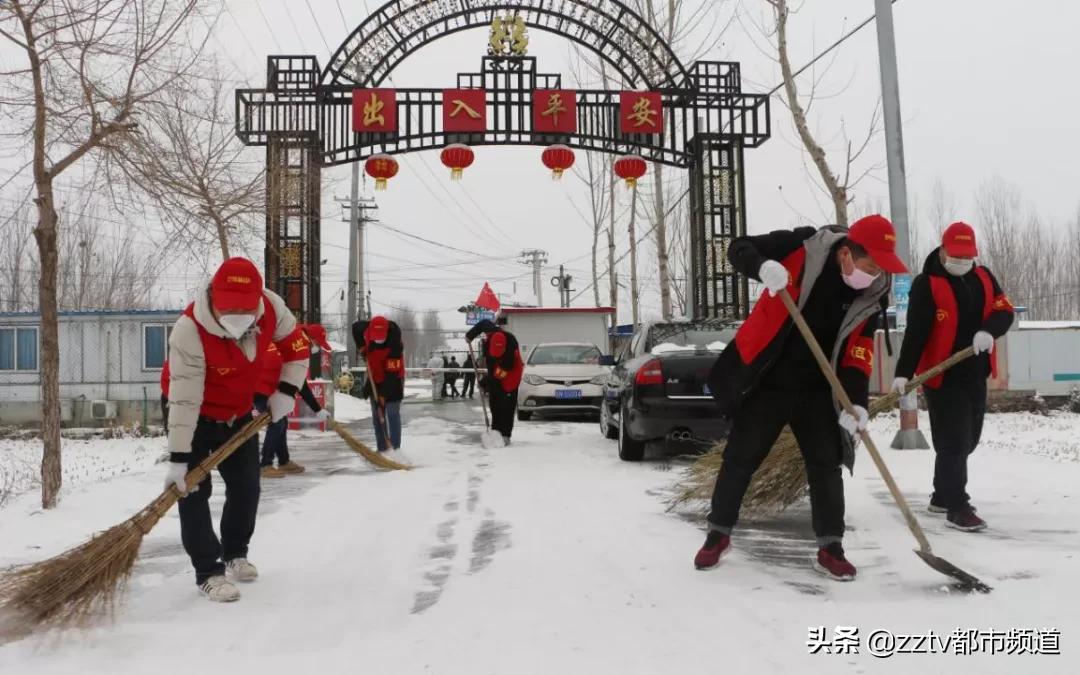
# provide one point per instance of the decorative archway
(697, 118)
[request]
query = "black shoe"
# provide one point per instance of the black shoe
(965, 520)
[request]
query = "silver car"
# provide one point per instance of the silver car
(562, 377)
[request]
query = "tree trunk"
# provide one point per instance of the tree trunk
(223, 238)
(595, 276)
(837, 192)
(49, 354)
(613, 280)
(662, 246)
(634, 294)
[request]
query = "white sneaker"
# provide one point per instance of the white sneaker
(397, 456)
(220, 589)
(241, 570)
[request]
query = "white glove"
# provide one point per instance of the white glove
(774, 275)
(853, 425)
(983, 343)
(175, 476)
(280, 405)
(899, 385)
(323, 414)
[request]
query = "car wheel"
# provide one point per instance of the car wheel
(629, 449)
(524, 416)
(607, 428)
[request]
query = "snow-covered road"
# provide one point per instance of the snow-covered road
(552, 556)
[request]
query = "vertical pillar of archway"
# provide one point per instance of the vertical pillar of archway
(293, 217)
(717, 217)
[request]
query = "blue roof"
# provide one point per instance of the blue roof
(95, 312)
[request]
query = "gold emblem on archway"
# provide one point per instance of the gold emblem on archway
(509, 36)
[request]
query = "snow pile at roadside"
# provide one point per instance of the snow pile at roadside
(349, 408)
(83, 462)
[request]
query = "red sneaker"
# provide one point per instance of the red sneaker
(716, 546)
(832, 563)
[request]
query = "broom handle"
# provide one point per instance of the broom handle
(889, 400)
(476, 372)
(171, 495)
(845, 402)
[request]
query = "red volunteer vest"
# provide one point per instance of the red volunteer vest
(231, 379)
(939, 346)
(769, 316)
(270, 374)
(510, 379)
(165, 379)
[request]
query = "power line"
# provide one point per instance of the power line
(268, 27)
(317, 26)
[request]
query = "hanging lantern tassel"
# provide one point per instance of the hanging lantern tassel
(630, 168)
(558, 158)
(457, 157)
(382, 168)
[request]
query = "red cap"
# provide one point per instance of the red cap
(237, 285)
(877, 235)
(497, 344)
(318, 335)
(959, 241)
(378, 329)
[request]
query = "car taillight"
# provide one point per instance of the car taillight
(650, 373)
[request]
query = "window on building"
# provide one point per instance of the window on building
(19, 349)
(155, 345)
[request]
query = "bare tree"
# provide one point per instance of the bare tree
(838, 185)
(90, 66)
(635, 292)
(189, 161)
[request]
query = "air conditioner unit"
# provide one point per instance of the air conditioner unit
(103, 410)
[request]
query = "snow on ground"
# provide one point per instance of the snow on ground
(84, 461)
(552, 556)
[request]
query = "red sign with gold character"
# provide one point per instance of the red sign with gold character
(554, 111)
(464, 110)
(374, 111)
(641, 112)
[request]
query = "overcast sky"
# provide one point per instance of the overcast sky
(987, 87)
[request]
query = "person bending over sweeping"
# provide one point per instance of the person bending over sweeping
(385, 354)
(767, 377)
(954, 304)
(215, 357)
(275, 442)
(502, 359)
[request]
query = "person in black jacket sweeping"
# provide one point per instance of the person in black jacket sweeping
(954, 304)
(501, 356)
(767, 377)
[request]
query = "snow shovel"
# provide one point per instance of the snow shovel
(966, 581)
(489, 438)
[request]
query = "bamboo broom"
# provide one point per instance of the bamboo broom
(73, 587)
(376, 458)
(781, 479)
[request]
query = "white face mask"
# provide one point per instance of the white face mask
(859, 280)
(237, 324)
(958, 267)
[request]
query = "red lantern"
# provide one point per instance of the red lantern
(382, 168)
(457, 158)
(558, 158)
(630, 168)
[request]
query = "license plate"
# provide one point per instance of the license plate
(567, 393)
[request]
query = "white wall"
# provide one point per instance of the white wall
(536, 328)
(1044, 360)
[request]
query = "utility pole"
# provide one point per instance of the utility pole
(356, 217)
(562, 282)
(909, 437)
(536, 258)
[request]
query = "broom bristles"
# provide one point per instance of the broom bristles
(367, 453)
(781, 479)
(81, 583)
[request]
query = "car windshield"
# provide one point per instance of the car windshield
(674, 337)
(547, 355)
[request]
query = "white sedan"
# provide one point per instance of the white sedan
(562, 377)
